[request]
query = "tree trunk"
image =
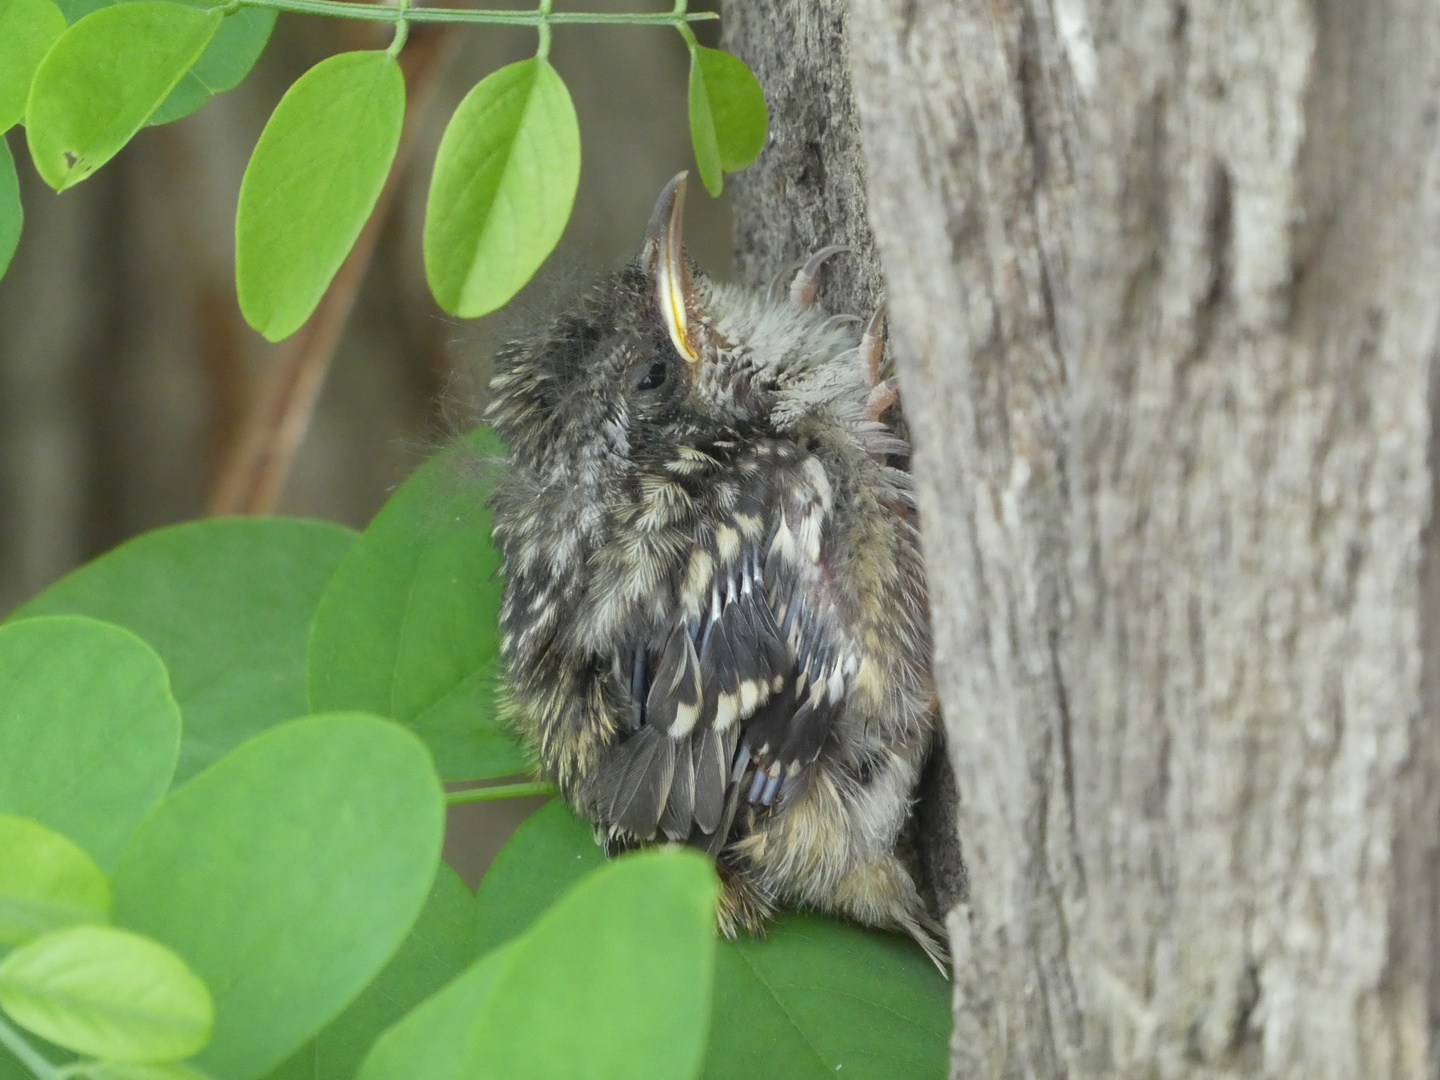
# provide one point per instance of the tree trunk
(1163, 283)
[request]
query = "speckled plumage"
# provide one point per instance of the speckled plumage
(714, 626)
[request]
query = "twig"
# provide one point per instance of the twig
(499, 791)
(254, 470)
(384, 13)
(33, 1060)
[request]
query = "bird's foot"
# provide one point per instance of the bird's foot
(872, 344)
(883, 392)
(806, 283)
(882, 396)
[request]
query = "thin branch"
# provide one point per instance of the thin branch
(499, 791)
(683, 26)
(543, 52)
(384, 13)
(31, 1058)
(254, 470)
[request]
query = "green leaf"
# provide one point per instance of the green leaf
(430, 1042)
(75, 10)
(12, 214)
(189, 94)
(106, 992)
(46, 882)
(728, 117)
(88, 729)
(814, 994)
(547, 854)
(27, 30)
(287, 874)
(407, 626)
(12, 1069)
(227, 603)
(820, 998)
(226, 61)
(441, 945)
(103, 78)
(228, 58)
(504, 183)
(613, 981)
(311, 183)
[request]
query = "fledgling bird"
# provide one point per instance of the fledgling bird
(714, 628)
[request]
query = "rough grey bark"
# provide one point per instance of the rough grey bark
(1163, 280)
(1163, 285)
(807, 191)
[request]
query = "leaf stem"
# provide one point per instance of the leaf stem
(402, 30)
(346, 9)
(542, 53)
(32, 1059)
(499, 791)
(681, 21)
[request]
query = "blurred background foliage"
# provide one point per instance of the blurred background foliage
(125, 366)
(126, 369)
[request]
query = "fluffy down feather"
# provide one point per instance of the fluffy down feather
(714, 625)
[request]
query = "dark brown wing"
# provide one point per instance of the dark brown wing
(694, 692)
(739, 697)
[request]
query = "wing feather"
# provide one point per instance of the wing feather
(713, 750)
(739, 695)
(676, 693)
(631, 785)
(679, 815)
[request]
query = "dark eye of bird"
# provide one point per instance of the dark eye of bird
(654, 378)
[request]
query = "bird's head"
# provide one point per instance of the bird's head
(659, 356)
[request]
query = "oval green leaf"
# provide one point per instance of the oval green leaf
(102, 80)
(818, 998)
(46, 882)
(89, 731)
(228, 58)
(504, 183)
(311, 183)
(287, 874)
(27, 30)
(612, 982)
(407, 626)
(546, 855)
(108, 993)
(440, 947)
(428, 1044)
(12, 215)
(227, 603)
(815, 994)
(728, 117)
